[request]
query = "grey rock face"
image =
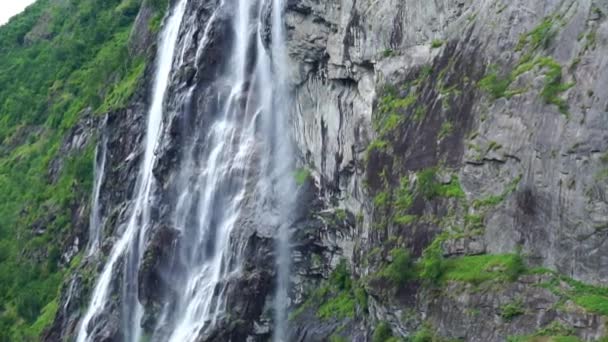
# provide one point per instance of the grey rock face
(482, 315)
(344, 52)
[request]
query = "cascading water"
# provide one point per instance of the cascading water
(239, 158)
(283, 170)
(239, 161)
(140, 212)
(95, 223)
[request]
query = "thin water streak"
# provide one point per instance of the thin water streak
(95, 222)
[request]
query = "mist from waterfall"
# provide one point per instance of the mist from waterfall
(239, 163)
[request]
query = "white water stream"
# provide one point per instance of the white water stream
(245, 157)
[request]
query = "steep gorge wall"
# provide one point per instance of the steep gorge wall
(388, 94)
(530, 158)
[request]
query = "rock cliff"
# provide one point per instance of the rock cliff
(453, 174)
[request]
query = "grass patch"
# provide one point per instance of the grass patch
(405, 198)
(337, 338)
(494, 84)
(123, 91)
(429, 187)
(338, 298)
(378, 145)
(383, 333)
(391, 110)
(593, 302)
(446, 129)
(400, 270)
(542, 35)
(302, 176)
(431, 265)
(554, 332)
(382, 199)
(405, 219)
(591, 298)
(388, 53)
(480, 268)
(436, 43)
(498, 86)
(512, 310)
(419, 113)
(553, 84)
(339, 306)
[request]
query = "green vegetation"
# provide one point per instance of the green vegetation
(429, 187)
(430, 266)
(591, 298)
(474, 223)
(436, 43)
(593, 302)
(446, 129)
(476, 269)
(393, 204)
(340, 297)
(480, 268)
(494, 200)
(337, 338)
(301, 176)
(424, 334)
(540, 37)
(604, 158)
(124, 90)
(375, 146)
(419, 113)
(340, 306)
(56, 60)
(403, 202)
(382, 199)
(400, 270)
(494, 84)
(383, 333)
(554, 332)
(398, 201)
(159, 7)
(395, 103)
(405, 198)
(512, 310)
(498, 86)
(388, 53)
(341, 214)
(390, 110)
(553, 85)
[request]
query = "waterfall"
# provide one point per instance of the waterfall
(239, 158)
(140, 212)
(285, 173)
(237, 163)
(95, 223)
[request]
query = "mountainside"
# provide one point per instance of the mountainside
(341, 170)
